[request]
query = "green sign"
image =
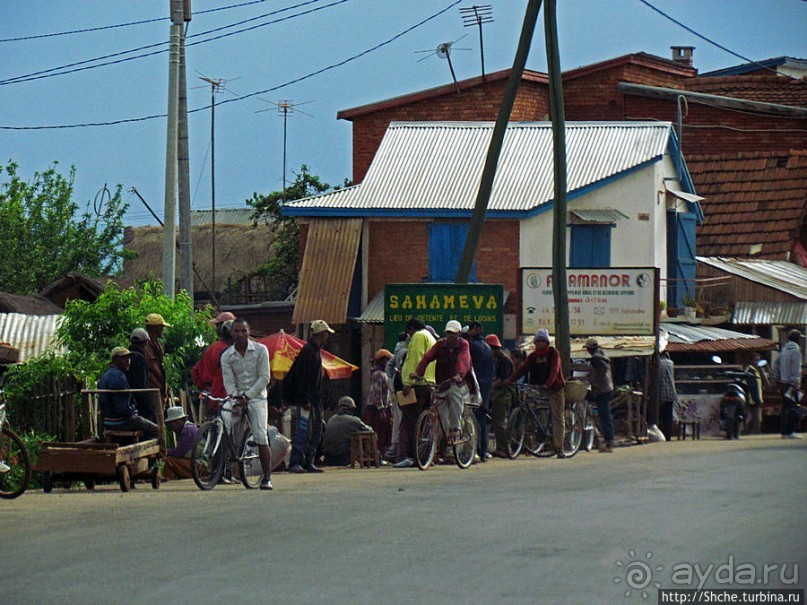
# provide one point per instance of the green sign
(436, 304)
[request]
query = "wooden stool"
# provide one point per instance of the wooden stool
(695, 425)
(364, 449)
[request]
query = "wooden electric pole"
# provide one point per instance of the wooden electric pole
(183, 165)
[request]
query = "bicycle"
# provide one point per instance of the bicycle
(13, 456)
(530, 425)
(429, 432)
(213, 450)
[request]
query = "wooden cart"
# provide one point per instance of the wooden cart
(115, 455)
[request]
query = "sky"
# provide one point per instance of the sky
(321, 56)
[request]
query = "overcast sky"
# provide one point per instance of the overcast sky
(271, 56)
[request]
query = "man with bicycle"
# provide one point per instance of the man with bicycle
(453, 356)
(245, 370)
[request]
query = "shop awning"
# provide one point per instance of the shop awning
(329, 262)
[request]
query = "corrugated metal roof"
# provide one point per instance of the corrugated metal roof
(31, 334)
(437, 165)
(600, 216)
(770, 313)
(706, 339)
(224, 216)
(689, 197)
(374, 313)
(331, 249)
(778, 274)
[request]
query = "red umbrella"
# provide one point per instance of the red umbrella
(283, 349)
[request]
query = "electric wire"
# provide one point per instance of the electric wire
(118, 25)
(704, 38)
(249, 95)
(62, 69)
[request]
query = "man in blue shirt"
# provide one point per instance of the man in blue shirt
(485, 370)
(117, 408)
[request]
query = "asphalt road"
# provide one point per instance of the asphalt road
(525, 531)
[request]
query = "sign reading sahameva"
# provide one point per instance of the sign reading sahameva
(436, 304)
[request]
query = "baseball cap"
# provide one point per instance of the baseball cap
(382, 354)
(139, 335)
(591, 343)
(453, 326)
(347, 402)
(155, 319)
(222, 317)
(119, 352)
(493, 341)
(319, 325)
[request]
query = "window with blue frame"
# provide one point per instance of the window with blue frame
(446, 241)
(590, 246)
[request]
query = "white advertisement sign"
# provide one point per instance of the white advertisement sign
(606, 301)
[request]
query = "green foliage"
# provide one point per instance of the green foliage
(44, 235)
(281, 269)
(33, 443)
(23, 381)
(90, 330)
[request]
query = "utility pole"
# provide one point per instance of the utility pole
(496, 141)
(285, 108)
(169, 216)
(559, 285)
(183, 164)
(215, 87)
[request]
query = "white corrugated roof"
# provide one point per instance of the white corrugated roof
(779, 274)
(438, 165)
(31, 334)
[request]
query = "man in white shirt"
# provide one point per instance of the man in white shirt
(245, 370)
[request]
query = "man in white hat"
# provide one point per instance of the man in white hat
(453, 356)
(178, 460)
(301, 387)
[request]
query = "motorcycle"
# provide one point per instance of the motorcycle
(734, 403)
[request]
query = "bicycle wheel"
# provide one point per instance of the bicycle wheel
(249, 462)
(15, 481)
(207, 457)
(465, 446)
(538, 426)
(515, 432)
(573, 436)
(425, 436)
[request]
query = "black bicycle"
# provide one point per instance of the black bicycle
(530, 425)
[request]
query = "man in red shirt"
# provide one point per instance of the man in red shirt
(207, 371)
(543, 368)
(453, 357)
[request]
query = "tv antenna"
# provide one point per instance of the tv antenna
(443, 51)
(477, 15)
(285, 108)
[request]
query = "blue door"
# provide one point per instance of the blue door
(446, 241)
(590, 246)
(680, 257)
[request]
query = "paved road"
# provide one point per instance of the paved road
(529, 531)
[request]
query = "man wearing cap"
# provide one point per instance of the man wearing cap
(543, 368)
(336, 441)
(501, 395)
(207, 371)
(377, 409)
(117, 409)
(245, 371)
(485, 369)
(452, 355)
(302, 387)
(155, 324)
(420, 341)
(602, 389)
(789, 375)
(138, 374)
(178, 459)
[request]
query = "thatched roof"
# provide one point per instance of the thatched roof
(74, 285)
(27, 305)
(240, 249)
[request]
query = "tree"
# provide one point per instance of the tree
(282, 267)
(44, 236)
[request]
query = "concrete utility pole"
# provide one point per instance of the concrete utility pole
(169, 216)
(559, 285)
(183, 164)
(495, 147)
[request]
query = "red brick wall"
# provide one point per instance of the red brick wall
(399, 253)
(476, 104)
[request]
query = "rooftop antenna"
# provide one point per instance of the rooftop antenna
(285, 108)
(477, 15)
(443, 51)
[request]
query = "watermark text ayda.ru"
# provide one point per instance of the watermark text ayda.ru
(731, 573)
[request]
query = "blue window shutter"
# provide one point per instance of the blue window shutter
(590, 246)
(446, 241)
(681, 256)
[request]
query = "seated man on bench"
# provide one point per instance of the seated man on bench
(118, 409)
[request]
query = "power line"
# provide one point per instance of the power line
(117, 25)
(252, 94)
(704, 38)
(49, 73)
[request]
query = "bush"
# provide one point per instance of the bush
(33, 443)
